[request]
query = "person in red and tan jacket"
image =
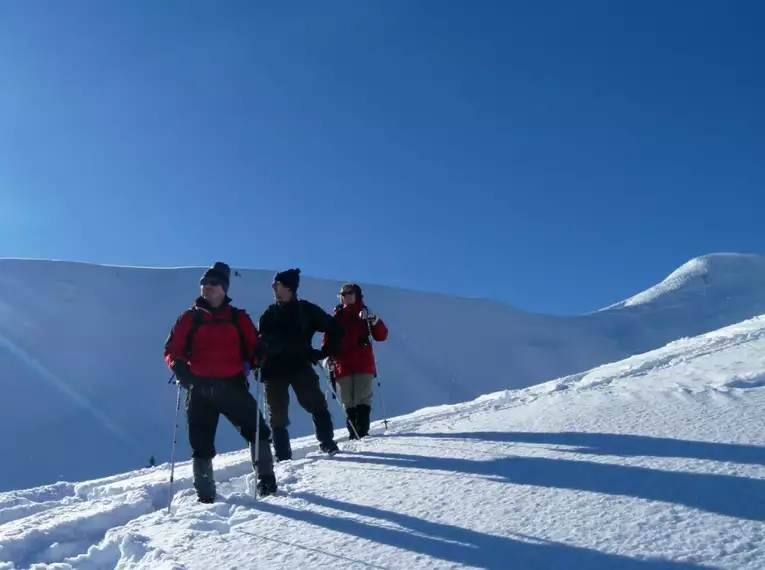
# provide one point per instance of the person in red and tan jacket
(353, 368)
(211, 348)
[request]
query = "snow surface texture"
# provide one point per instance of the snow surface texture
(656, 462)
(81, 349)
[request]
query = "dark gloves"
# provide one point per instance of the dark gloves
(183, 374)
(261, 351)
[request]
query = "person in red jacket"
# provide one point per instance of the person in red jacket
(354, 368)
(211, 348)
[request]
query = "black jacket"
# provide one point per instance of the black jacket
(286, 332)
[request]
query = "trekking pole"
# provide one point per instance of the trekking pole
(329, 384)
(377, 377)
(256, 443)
(175, 439)
(382, 403)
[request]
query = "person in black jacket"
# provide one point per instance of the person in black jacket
(286, 330)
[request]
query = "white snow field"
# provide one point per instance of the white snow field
(654, 462)
(81, 350)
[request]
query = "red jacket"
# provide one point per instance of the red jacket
(216, 347)
(356, 355)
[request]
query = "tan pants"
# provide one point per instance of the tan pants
(355, 389)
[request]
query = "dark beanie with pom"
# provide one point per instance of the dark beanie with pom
(289, 278)
(219, 271)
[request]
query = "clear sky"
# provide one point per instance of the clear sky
(557, 155)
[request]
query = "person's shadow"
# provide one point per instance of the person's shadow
(623, 445)
(453, 544)
(729, 495)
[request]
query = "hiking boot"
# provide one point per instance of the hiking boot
(266, 485)
(204, 482)
(351, 421)
(322, 422)
(282, 448)
(363, 414)
(329, 447)
(265, 463)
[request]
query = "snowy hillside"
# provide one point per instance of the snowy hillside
(81, 349)
(656, 462)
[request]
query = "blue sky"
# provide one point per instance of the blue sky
(556, 155)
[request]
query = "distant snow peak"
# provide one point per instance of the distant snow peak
(718, 265)
(715, 269)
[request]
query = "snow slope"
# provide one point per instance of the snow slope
(81, 349)
(656, 462)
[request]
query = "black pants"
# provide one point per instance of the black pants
(210, 397)
(305, 383)
(308, 392)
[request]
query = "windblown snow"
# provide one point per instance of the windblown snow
(653, 462)
(81, 347)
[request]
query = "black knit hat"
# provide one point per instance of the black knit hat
(289, 278)
(219, 270)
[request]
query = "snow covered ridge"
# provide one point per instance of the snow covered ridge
(81, 347)
(715, 270)
(655, 462)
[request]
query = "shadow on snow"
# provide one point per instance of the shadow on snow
(456, 544)
(728, 495)
(622, 445)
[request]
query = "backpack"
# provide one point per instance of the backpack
(199, 320)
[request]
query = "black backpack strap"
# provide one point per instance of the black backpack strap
(197, 319)
(304, 324)
(242, 340)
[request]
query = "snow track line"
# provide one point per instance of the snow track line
(311, 549)
(15, 505)
(106, 507)
(59, 532)
(82, 519)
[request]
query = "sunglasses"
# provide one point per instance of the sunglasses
(212, 282)
(347, 292)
